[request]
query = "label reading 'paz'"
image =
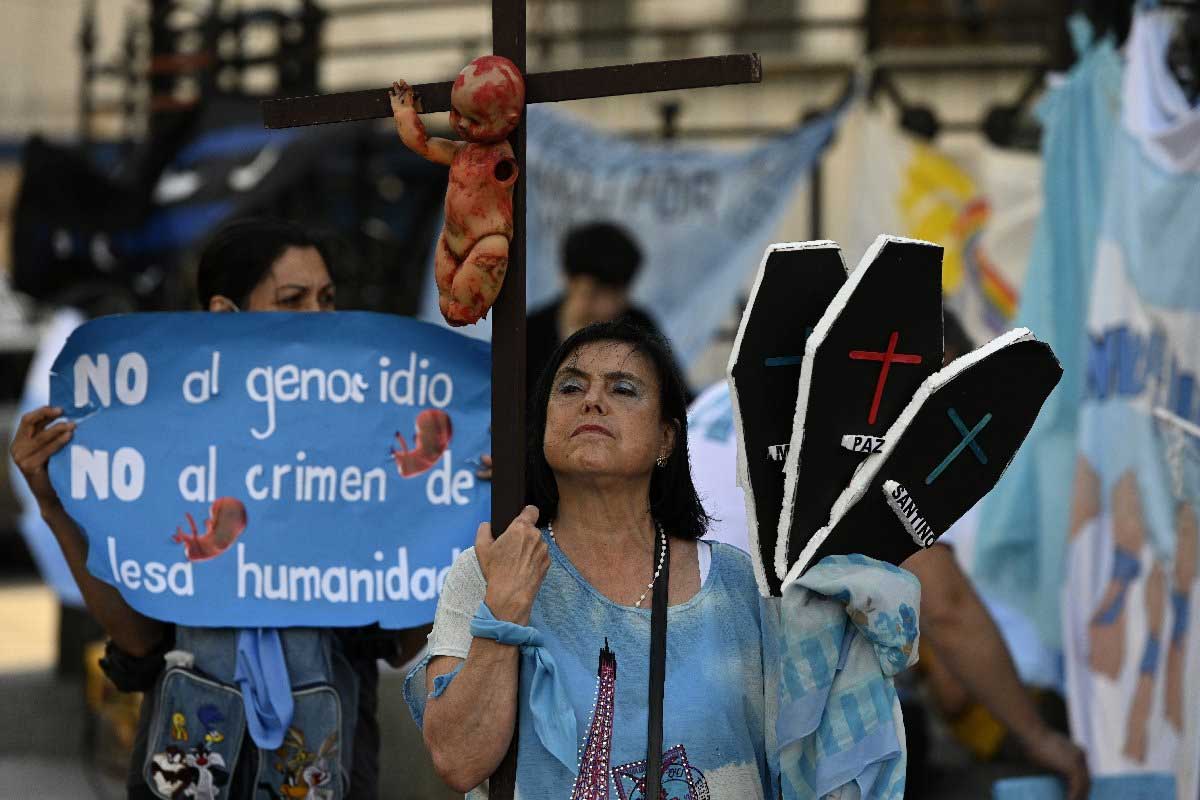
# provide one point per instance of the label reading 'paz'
(862, 444)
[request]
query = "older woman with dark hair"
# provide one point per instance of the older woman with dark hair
(620, 527)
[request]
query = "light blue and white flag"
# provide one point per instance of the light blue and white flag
(1022, 529)
(1130, 597)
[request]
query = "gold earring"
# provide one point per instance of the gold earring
(661, 461)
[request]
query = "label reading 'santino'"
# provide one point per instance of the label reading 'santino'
(906, 509)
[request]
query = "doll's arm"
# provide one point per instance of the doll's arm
(406, 112)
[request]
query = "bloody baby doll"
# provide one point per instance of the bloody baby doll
(472, 251)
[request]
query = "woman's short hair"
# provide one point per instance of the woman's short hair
(239, 256)
(604, 251)
(673, 499)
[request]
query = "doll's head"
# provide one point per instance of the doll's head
(487, 100)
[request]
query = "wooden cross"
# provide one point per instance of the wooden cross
(508, 320)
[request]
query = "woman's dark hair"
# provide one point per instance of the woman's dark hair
(673, 499)
(240, 254)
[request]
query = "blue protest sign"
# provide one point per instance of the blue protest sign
(274, 469)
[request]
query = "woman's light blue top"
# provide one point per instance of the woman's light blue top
(721, 664)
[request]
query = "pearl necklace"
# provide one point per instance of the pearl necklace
(662, 556)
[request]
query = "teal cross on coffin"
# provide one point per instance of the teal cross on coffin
(968, 440)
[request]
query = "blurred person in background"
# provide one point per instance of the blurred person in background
(249, 265)
(964, 657)
(600, 261)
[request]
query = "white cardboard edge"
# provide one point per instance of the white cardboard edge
(820, 331)
(866, 472)
(743, 471)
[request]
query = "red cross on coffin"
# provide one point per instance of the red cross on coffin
(945, 451)
(879, 338)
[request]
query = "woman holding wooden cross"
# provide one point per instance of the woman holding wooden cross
(620, 528)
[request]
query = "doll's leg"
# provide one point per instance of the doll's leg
(478, 280)
(446, 266)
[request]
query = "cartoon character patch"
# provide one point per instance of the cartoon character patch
(210, 716)
(197, 773)
(209, 770)
(170, 773)
(304, 775)
(680, 780)
(179, 727)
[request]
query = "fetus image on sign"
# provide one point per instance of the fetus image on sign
(430, 441)
(225, 523)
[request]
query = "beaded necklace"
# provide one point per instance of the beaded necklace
(662, 556)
